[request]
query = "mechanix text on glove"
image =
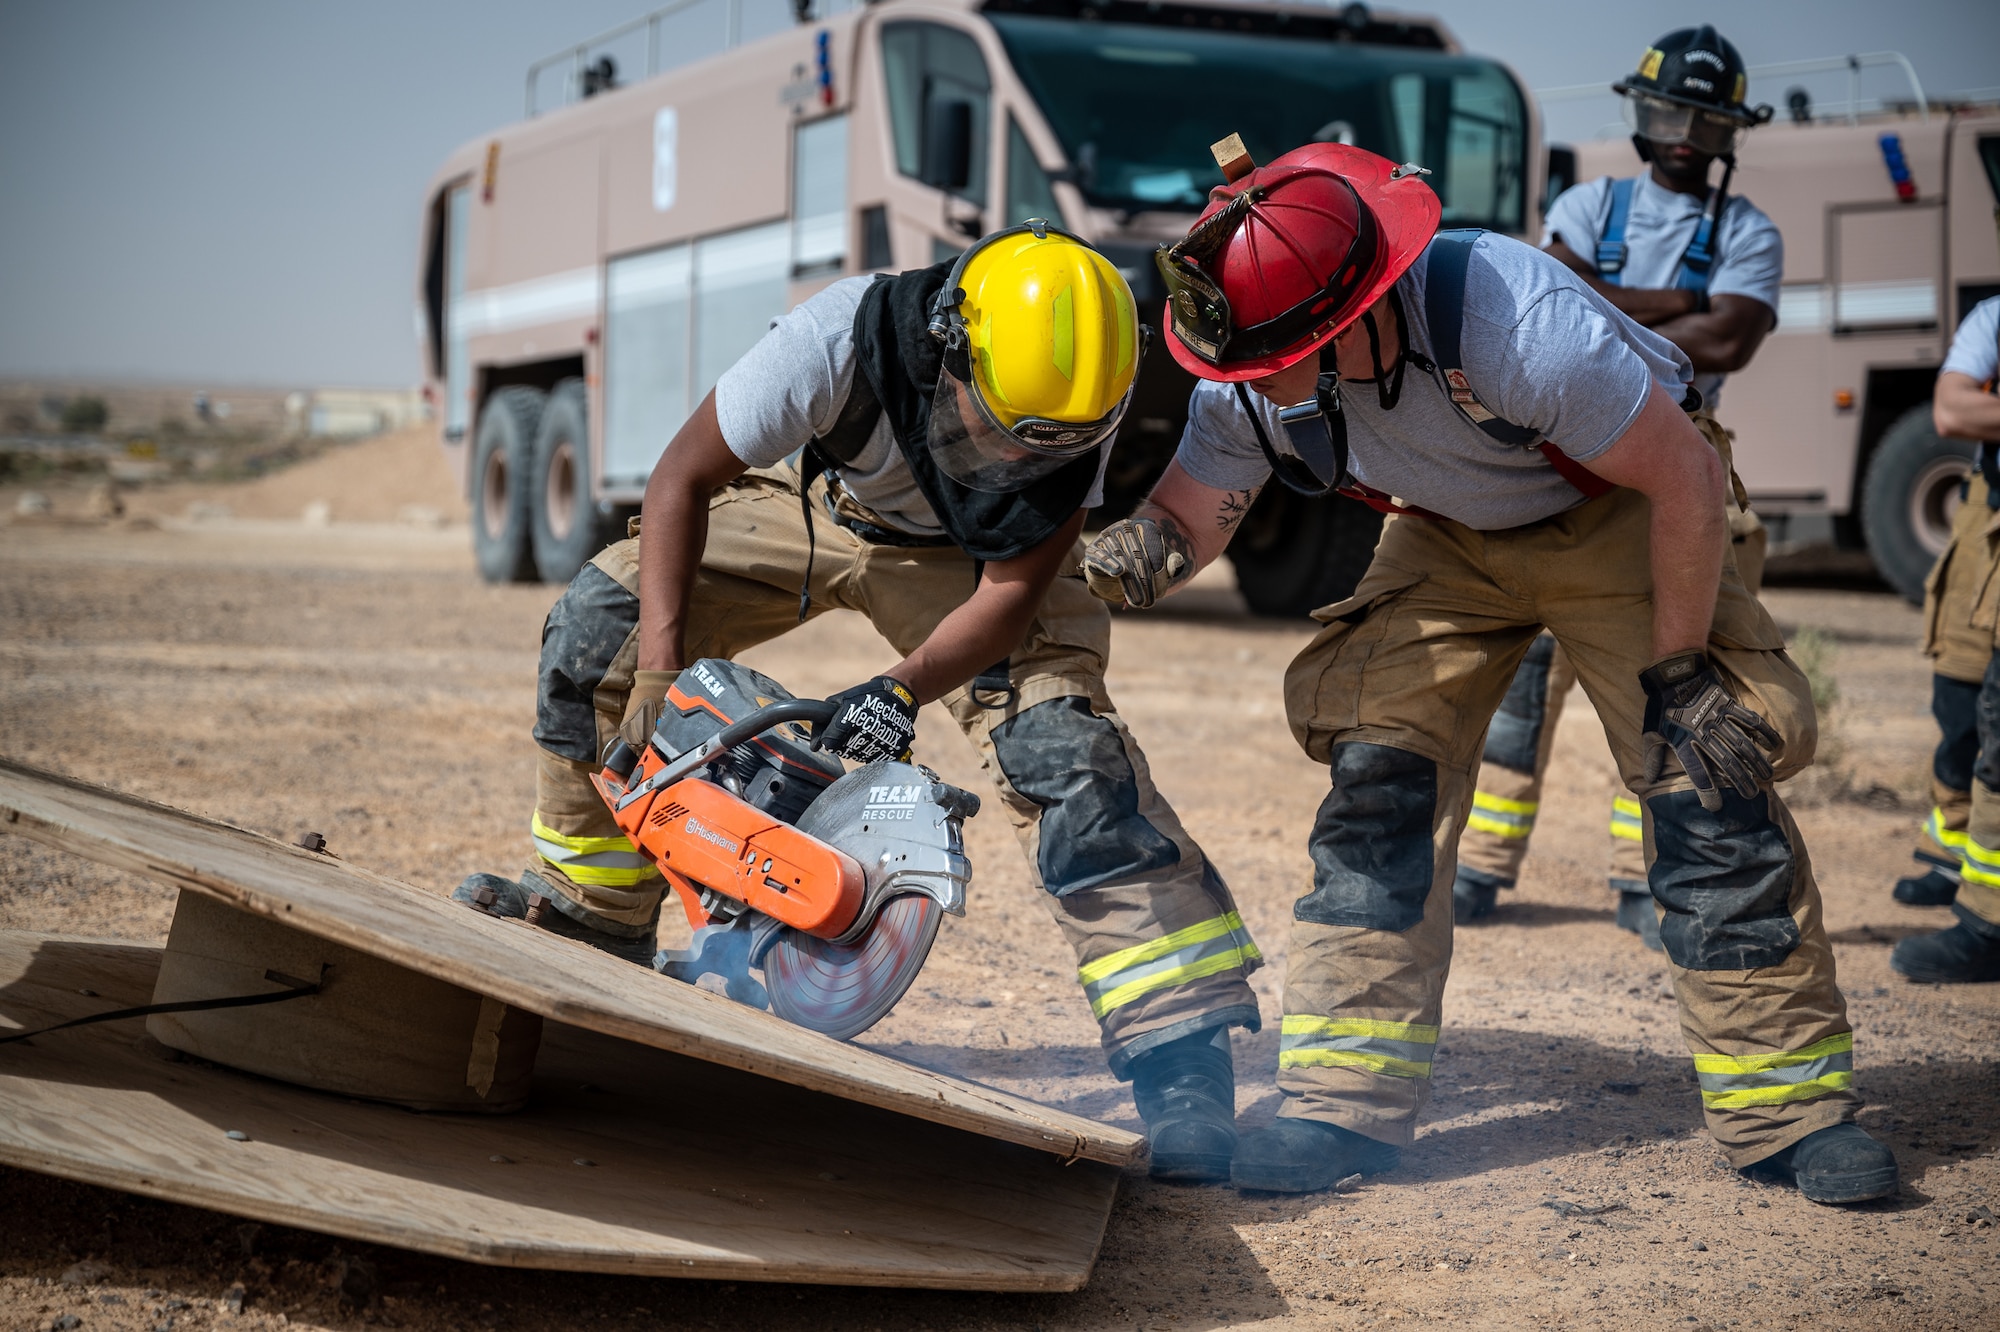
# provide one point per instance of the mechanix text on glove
(1718, 741)
(1137, 561)
(871, 722)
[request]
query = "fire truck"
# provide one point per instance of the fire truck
(1891, 220)
(589, 272)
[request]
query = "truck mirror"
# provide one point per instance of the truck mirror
(948, 145)
(1561, 174)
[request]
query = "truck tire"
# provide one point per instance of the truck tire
(1908, 498)
(502, 457)
(567, 529)
(1294, 555)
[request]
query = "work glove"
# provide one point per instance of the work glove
(1135, 562)
(1691, 711)
(643, 707)
(871, 721)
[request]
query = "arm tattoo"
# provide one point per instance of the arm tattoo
(1235, 504)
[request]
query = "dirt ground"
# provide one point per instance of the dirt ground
(357, 679)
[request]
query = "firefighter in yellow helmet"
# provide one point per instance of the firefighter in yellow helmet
(920, 448)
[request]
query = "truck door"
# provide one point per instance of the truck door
(444, 295)
(939, 98)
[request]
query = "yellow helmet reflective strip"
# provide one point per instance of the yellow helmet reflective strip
(1217, 944)
(1627, 820)
(1951, 839)
(595, 862)
(1512, 819)
(1731, 1081)
(1397, 1049)
(1981, 865)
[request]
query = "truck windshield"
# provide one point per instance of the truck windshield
(1136, 108)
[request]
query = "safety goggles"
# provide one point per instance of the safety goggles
(968, 441)
(1713, 133)
(1200, 312)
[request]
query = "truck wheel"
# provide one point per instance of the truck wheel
(1294, 555)
(502, 452)
(567, 531)
(1909, 498)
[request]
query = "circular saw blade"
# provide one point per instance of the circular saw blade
(844, 989)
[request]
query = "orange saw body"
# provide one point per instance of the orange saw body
(701, 836)
(831, 883)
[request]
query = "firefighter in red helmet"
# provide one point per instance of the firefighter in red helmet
(1537, 452)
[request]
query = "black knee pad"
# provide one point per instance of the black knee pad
(1071, 762)
(1725, 880)
(1987, 712)
(1955, 705)
(585, 630)
(1371, 844)
(1515, 734)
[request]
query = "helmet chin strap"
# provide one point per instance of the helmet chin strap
(1388, 379)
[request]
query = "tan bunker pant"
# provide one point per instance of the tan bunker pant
(1961, 605)
(1394, 694)
(1508, 793)
(1161, 951)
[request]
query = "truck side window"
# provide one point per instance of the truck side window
(819, 197)
(1028, 192)
(928, 66)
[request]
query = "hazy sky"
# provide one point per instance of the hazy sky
(207, 189)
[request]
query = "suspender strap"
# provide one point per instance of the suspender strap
(1698, 262)
(1611, 244)
(842, 443)
(1590, 483)
(1444, 311)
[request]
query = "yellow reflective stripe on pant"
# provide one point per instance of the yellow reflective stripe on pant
(1627, 822)
(600, 862)
(1949, 839)
(1398, 1049)
(1732, 1081)
(1981, 866)
(1512, 819)
(1116, 979)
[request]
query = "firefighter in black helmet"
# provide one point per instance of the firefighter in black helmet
(1700, 267)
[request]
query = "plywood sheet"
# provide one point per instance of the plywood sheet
(693, 1169)
(517, 964)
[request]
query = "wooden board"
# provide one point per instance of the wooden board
(516, 963)
(696, 1170)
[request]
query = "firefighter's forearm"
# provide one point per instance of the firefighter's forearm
(1645, 305)
(1663, 457)
(991, 623)
(1963, 410)
(1723, 339)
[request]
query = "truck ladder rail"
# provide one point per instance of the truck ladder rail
(1853, 64)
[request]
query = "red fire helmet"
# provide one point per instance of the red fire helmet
(1296, 251)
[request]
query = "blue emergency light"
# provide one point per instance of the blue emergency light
(1899, 170)
(824, 60)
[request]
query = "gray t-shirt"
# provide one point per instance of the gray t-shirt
(791, 386)
(1975, 349)
(1749, 252)
(1541, 350)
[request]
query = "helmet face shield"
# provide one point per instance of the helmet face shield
(1713, 133)
(970, 444)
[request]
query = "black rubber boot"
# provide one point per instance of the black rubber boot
(1931, 888)
(517, 901)
(1475, 893)
(1306, 1156)
(1957, 956)
(1841, 1164)
(1636, 913)
(1186, 1093)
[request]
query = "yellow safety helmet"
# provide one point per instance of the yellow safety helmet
(1042, 347)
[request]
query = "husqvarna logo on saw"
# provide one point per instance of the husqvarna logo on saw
(696, 828)
(892, 802)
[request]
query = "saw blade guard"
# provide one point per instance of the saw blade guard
(904, 827)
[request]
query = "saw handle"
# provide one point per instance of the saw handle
(621, 761)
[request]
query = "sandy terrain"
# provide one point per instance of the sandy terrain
(338, 678)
